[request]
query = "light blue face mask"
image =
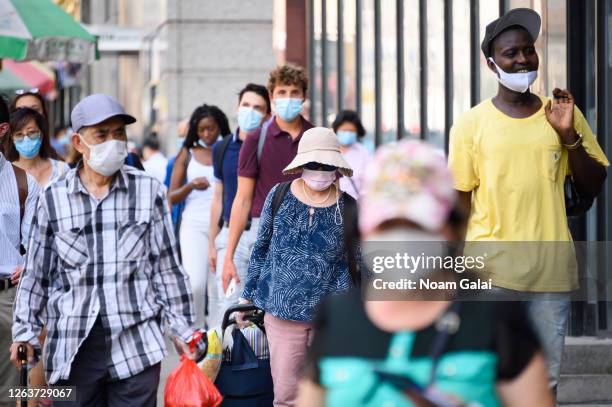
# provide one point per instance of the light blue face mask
(29, 146)
(288, 108)
(347, 138)
(249, 119)
(179, 143)
(202, 143)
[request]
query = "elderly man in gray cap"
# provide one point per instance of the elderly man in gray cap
(102, 271)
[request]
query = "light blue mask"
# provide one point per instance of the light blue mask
(29, 146)
(249, 119)
(347, 138)
(202, 143)
(64, 141)
(288, 108)
(179, 143)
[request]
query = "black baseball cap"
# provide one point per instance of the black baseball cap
(521, 17)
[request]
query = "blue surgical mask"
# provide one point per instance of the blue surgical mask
(288, 108)
(63, 141)
(179, 143)
(202, 143)
(249, 119)
(29, 146)
(347, 138)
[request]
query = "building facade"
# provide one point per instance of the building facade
(163, 58)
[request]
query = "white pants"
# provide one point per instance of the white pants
(241, 260)
(194, 251)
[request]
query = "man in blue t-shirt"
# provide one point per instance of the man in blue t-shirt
(253, 110)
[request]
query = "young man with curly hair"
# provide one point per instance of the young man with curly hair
(260, 165)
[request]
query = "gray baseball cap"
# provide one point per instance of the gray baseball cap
(95, 109)
(521, 17)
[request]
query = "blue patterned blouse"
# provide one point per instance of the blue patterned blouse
(297, 260)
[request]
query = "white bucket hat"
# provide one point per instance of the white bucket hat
(319, 145)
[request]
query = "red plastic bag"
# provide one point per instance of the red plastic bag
(188, 386)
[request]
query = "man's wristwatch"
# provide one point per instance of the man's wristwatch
(574, 146)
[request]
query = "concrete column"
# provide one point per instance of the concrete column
(213, 49)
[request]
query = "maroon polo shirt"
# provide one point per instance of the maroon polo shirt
(278, 151)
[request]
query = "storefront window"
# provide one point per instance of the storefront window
(435, 72)
(520, 4)
(389, 70)
(368, 94)
(332, 61)
(316, 104)
(461, 54)
(412, 88)
(489, 11)
(556, 54)
(350, 54)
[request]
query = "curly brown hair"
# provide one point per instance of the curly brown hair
(288, 74)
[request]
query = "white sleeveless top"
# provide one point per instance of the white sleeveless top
(197, 203)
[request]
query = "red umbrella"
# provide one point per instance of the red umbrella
(26, 75)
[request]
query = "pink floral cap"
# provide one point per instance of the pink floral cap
(407, 180)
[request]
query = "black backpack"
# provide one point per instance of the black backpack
(349, 220)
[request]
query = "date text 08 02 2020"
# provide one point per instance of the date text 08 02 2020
(51, 393)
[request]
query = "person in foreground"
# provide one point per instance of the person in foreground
(102, 271)
(419, 352)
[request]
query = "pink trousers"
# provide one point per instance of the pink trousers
(288, 341)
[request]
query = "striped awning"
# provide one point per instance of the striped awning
(26, 75)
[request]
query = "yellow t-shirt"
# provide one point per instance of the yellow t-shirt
(515, 169)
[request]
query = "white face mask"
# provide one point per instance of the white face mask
(518, 82)
(108, 157)
(318, 180)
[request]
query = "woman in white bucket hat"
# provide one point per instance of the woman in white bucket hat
(299, 256)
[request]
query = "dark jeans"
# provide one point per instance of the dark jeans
(89, 373)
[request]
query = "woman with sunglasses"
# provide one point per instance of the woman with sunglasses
(29, 98)
(29, 146)
(299, 255)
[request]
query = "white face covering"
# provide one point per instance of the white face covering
(108, 157)
(318, 180)
(518, 82)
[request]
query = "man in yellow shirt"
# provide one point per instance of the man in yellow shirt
(509, 156)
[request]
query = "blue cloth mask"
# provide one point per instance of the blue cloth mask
(347, 138)
(179, 143)
(249, 119)
(288, 108)
(29, 146)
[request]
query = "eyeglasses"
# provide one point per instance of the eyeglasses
(31, 136)
(20, 92)
(314, 166)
